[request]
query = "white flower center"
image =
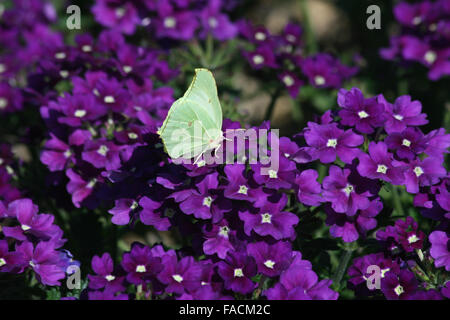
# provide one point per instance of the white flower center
(132, 136)
(238, 273)
(3, 103)
(177, 278)
(212, 22)
(109, 99)
(170, 22)
(80, 113)
(134, 205)
(146, 21)
(430, 57)
(32, 264)
(258, 59)
(120, 12)
(96, 92)
(2, 262)
(127, 69)
(260, 36)
(413, 238)
(141, 268)
(319, 80)
(110, 278)
(288, 80)
(363, 114)
(348, 189)
(243, 189)
(60, 55)
(399, 117)
(91, 183)
(291, 38)
(269, 264)
(64, 73)
(382, 169)
(332, 143)
(417, 20)
(86, 48)
(406, 142)
(103, 150)
(432, 27)
(2, 68)
(266, 218)
(273, 174)
(399, 290)
(418, 171)
(207, 201)
(67, 154)
(25, 227)
(224, 231)
(383, 271)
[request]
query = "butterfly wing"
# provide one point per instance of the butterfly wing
(194, 120)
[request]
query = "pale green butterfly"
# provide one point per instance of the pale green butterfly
(193, 125)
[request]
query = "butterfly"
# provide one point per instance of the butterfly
(193, 125)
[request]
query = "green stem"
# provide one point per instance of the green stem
(271, 106)
(397, 202)
(343, 263)
(310, 38)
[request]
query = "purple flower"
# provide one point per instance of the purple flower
(43, 259)
(292, 83)
(237, 271)
(342, 194)
(263, 56)
(31, 223)
(301, 284)
(308, 188)
(327, 142)
(412, 15)
(402, 113)
(440, 249)
(349, 228)
(217, 23)
(10, 261)
(218, 239)
(276, 179)
(79, 188)
(79, 108)
(271, 259)
(324, 71)
(178, 25)
(121, 211)
(141, 264)
(119, 16)
(102, 154)
(407, 144)
(104, 278)
(240, 185)
(378, 164)
(359, 112)
(202, 203)
(152, 214)
(422, 173)
(399, 286)
(270, 220)
(10, 98)
(180, 275)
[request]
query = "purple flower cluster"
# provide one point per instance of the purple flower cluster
(167, 19)
(31, 242)
(284, 54)
(376, 141)
(24, 36)
(405, 270)
(96, 127)
(425, 36)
